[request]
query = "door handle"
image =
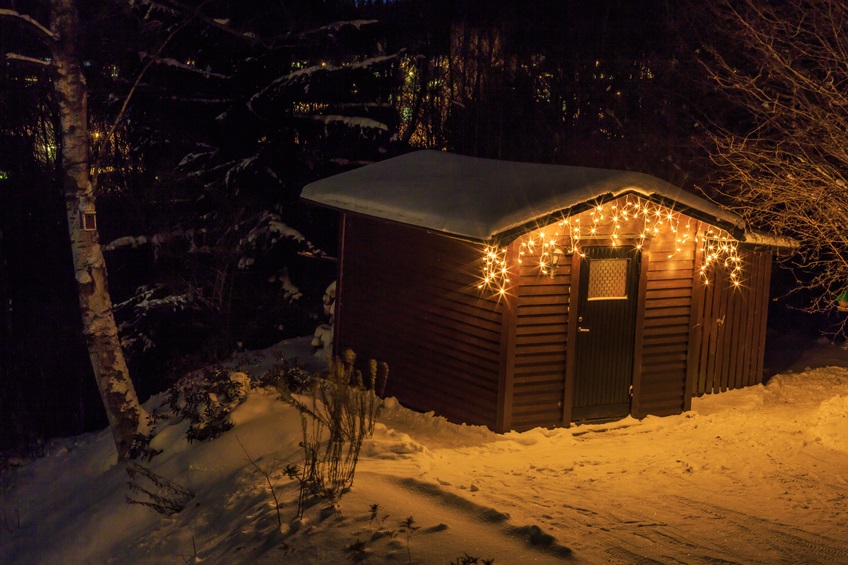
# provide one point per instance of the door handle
(584, 330)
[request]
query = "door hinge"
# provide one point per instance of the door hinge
(631, 391)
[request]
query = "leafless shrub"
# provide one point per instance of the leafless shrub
(164, 496)
(337, 418)
(467, 559)
(266, 474)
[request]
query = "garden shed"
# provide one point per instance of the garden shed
(516, 295)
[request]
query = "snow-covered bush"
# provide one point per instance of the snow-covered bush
(206, 399)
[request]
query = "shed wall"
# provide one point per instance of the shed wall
(663, 326)
(691, 337)
(541, 364)
(730, 340)
(541, 344)
(410, 298)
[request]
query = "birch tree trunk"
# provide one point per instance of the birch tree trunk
(127, 418)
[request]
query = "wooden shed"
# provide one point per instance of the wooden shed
(516, 295)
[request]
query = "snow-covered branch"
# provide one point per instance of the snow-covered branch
(307, 72)
(349, 121)
(336, 26)
(174, 8)
(173, 63)
(25, 59)
(308, 75)
(33, 25)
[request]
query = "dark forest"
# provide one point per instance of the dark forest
(207, 118)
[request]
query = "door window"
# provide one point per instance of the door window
(608, 279)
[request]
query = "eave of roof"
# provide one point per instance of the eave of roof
(487, 199)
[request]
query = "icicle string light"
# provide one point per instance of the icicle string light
(719, 248)
(609, 221)
(495, 270)
(642, 219)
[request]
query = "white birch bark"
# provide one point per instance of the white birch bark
(126, 416)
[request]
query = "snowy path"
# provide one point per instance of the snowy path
(758, 475)
(746, 480)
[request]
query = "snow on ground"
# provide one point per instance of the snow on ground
(758, 475)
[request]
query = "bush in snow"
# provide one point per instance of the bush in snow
(206, 399)
(337, 418)
(285, 377)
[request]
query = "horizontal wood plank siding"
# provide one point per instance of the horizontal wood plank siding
(732, 337)
(410, 298)
(540, 344)
(665, 329)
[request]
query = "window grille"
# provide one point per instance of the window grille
(608, 279)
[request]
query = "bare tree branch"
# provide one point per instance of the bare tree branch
(119, 118)
(783, 158)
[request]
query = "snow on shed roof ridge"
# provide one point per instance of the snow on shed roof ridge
(480, 198)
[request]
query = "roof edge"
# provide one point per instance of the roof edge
(736, 230)
(756, 238)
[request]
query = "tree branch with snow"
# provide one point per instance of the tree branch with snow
(25, 59)
(31, 24)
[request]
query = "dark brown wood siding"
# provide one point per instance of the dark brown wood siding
(664, 320)
(540, 344)
(410, 298)
(730, 341)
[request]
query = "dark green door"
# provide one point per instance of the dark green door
(606, 321)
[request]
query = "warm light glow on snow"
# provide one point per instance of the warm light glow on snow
(661, 489)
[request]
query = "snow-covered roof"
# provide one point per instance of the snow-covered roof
(481, 198)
